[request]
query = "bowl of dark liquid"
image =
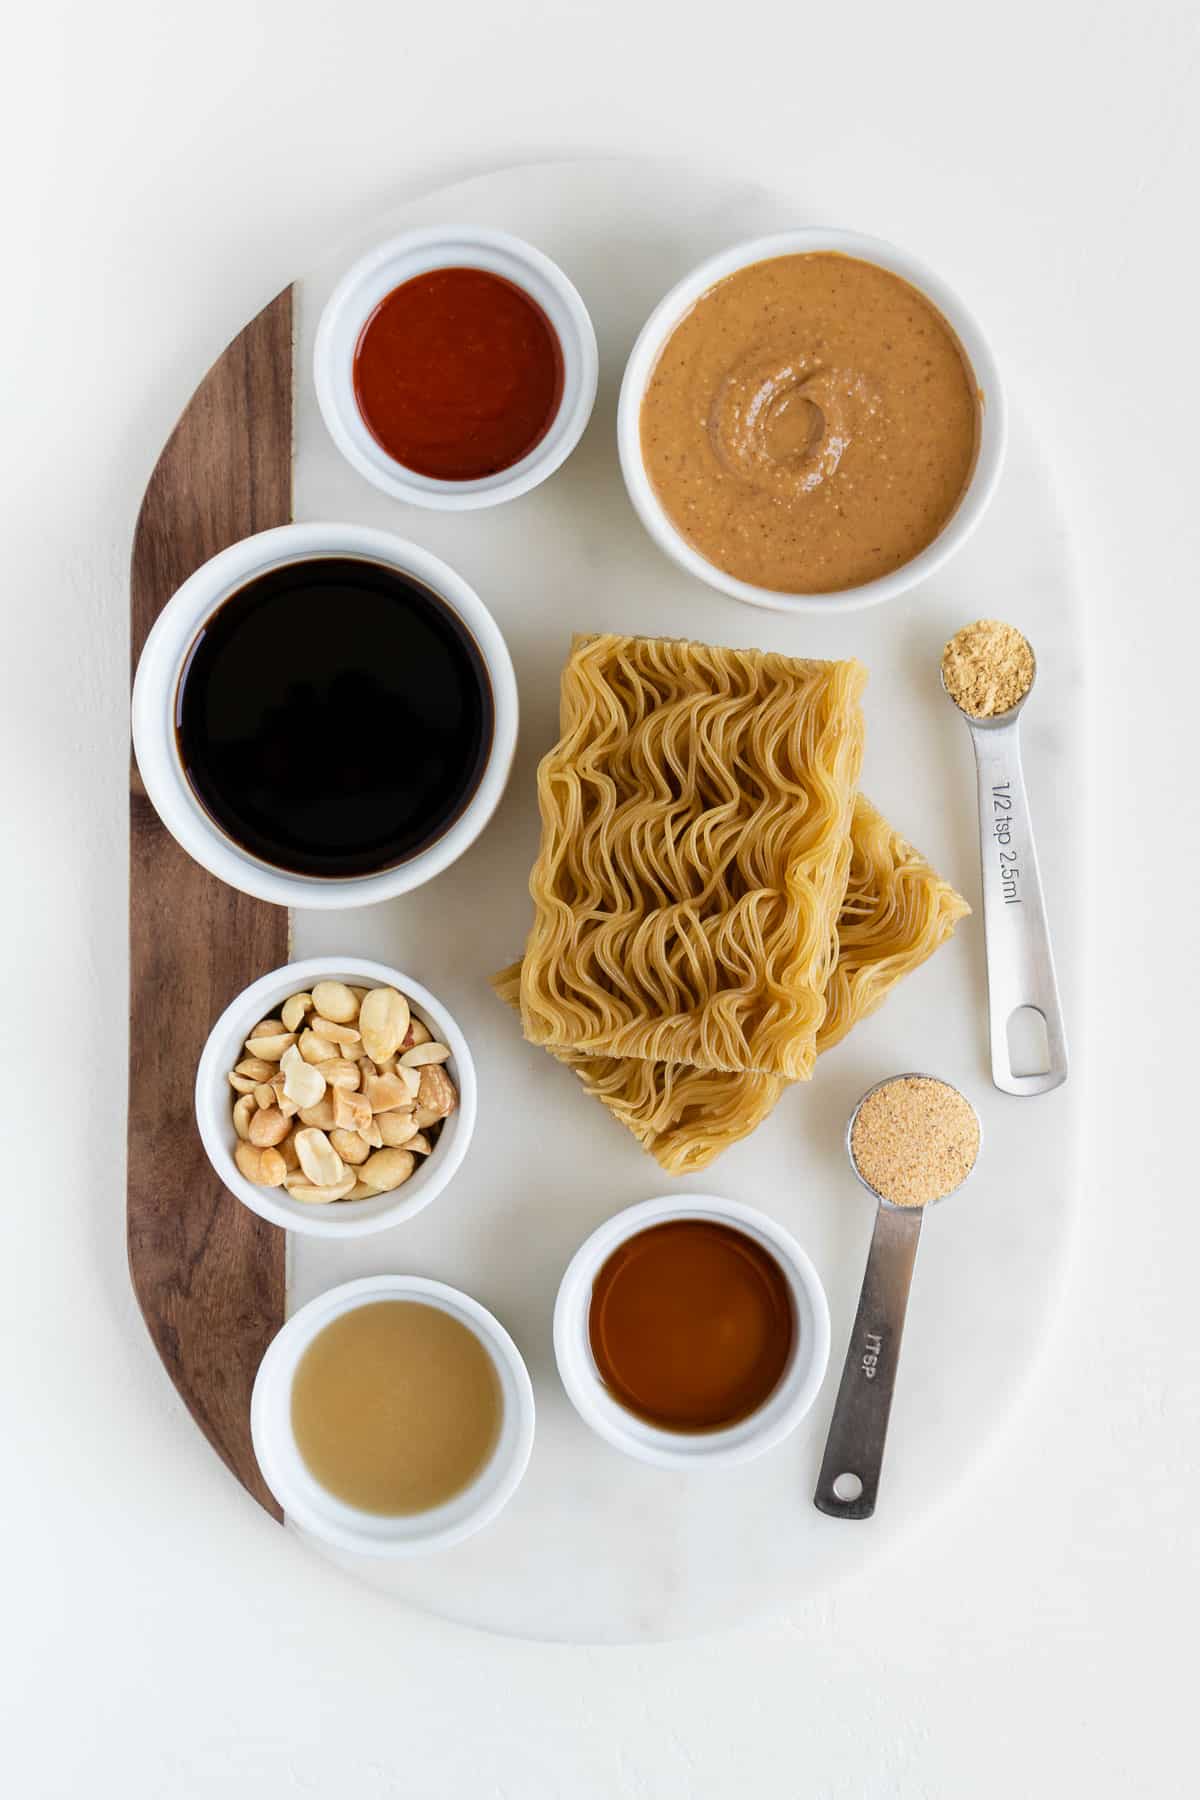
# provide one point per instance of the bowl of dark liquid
(325, 715)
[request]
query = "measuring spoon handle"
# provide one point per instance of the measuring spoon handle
(858, 1429)
(1020, 961)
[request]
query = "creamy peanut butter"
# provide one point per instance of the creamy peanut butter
(811, 423)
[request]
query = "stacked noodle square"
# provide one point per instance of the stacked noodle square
(661, 915)
(695, 848)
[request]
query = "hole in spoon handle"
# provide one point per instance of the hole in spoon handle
(1020, 960)
(849, 1480)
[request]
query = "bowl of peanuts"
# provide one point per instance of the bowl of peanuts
(335, 1097)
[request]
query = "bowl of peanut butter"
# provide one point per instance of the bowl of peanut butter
(811, 420)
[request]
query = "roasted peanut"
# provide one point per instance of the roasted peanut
(350, 1111)
(385, 1092)
(387, 1169)
(437, 1093)
(292, 1012)
(318, 1158)
(334, 1000)
(283, 1100)
(337, 1034)
(320, 1116)
(273, 1167)
(350, 1147)
(421, 1055)
(271, 1046)
(255, 1068)
(244, 1108)
(411, 1079)
(269, 1127)
(339, 1073)
(311, 1195)
(264, 1166)
(301, 1081)
(383, 1020)
(396, 1128)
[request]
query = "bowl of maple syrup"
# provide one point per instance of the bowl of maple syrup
(691, 1331)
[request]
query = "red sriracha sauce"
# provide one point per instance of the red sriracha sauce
(458, 374)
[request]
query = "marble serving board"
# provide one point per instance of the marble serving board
(595, 1547)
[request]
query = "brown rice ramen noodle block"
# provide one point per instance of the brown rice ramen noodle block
(694, 854)
(895, 914)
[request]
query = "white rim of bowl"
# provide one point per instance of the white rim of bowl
(313, 1508)
(414, 253)
(993, 417)
(156, 684)
(214, 1102)
(779, 1414)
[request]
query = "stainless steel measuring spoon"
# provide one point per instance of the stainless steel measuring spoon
(1020, 961)
(848, 1483)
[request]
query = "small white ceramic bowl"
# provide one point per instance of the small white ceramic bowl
(375, 276)
(684, 295)
(215, 1098)
(779, 1414)
(156, 687)
(310, 1506)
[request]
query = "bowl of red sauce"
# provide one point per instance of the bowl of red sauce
(455, 367)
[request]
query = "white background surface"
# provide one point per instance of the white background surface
(166, 170)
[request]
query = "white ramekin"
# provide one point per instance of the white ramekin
(155, 691)
(381, 270)
(215, 1098)
(778, 1415)
(684, 295)
(310, 1506)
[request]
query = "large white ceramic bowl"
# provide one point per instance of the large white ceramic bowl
(215, 1098)
(310, 1506)
(779, 1414)
(684, 295)
(155, 696)
(414, 253)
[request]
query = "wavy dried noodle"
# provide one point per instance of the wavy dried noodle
(895, 914)
(695, 818)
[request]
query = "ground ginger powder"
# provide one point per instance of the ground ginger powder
(987, 668)
(914, 1139)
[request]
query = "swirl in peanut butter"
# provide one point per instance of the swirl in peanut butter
(811, 423)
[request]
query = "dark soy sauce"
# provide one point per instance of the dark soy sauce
(334, 717)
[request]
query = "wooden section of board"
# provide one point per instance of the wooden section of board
(208, 1274)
